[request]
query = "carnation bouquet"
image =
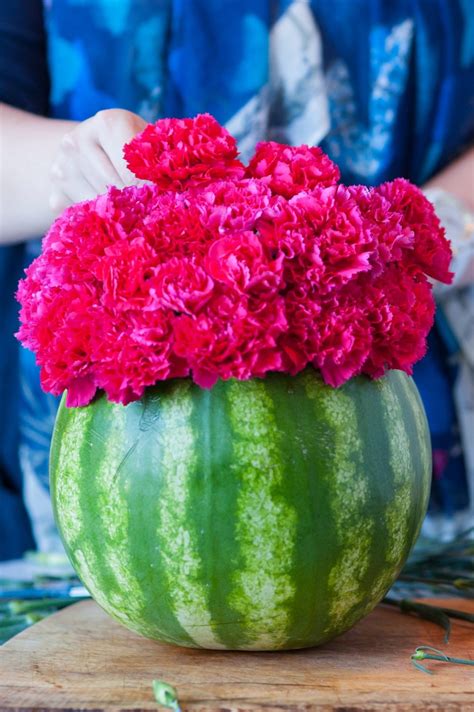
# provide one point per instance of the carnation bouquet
(215, 270)
(241, 459)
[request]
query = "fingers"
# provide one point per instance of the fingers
(90, 158)
(69, 184)
(98, 168)
(115, 129)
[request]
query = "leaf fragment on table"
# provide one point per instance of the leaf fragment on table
(166, 695)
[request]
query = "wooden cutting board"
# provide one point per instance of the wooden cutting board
(79, 659)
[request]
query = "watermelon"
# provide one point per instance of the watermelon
(265, 514)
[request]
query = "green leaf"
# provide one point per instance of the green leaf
(165, 695)
(431, 613)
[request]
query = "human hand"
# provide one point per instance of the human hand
(90, 158)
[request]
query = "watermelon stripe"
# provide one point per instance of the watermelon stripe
(420, 451)
(142, 468)
(398, 512)
(306, 444)
(102, 450)
(416, 457)
(214, 519)
(375, 434)
(112, 490)
(67, 492)
(266, 525)
(423, 432)
(349, 490)
(177, 538)
(373, 414)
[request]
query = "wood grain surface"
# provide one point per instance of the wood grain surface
(79, 659)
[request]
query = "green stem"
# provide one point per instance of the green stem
(405, 605)
(446, 659)
(422, 654)
(453, 613)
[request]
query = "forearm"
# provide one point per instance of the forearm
(28, 144)
(452, 194)
(457, 178)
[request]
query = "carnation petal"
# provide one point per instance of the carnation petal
(80, 392)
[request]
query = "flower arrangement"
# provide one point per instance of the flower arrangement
(214, 269)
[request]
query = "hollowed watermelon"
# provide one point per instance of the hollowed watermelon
(260, 515)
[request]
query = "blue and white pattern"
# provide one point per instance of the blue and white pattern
(365, 149)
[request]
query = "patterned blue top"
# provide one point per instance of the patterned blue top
(387, 88)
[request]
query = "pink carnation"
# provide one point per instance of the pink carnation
(178, 153)
(341, 234)
(230, 205)
(240, 261)
(231, 340)
(208, 274)
(343, 342)
(431, 250)
(181, 285)
(402, 315)
(392, 236)
(288, 170)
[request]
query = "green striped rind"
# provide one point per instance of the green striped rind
(108, 496)
(266, 524)
(265, 514)
(103, 491)
(349, 490)
(143, 468)
(176, 534)
(307, 442)
(400, 463)
(420, 448)
(88, 450)
(409, 462)
(66, 492)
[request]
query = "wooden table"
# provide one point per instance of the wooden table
(79, 659)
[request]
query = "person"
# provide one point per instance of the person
(393, 98)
